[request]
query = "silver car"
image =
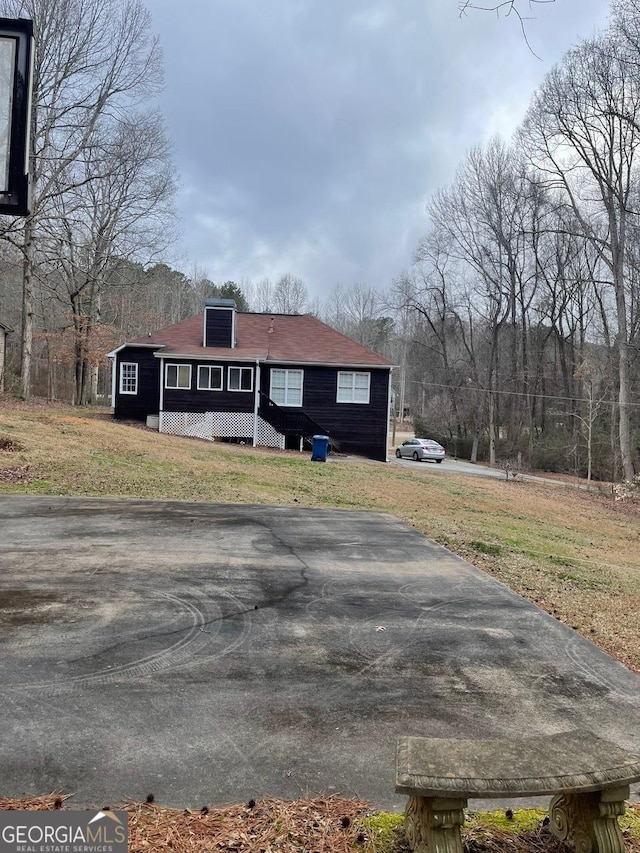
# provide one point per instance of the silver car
(421, 448)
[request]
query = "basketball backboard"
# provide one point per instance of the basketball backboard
(16, 52)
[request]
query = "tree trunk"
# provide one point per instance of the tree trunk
(590, 440)
(492, 426)
(28, 273)
(626, 456)
(93, 384)
(624, 432)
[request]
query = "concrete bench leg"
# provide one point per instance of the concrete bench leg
(433, 825)
(589, 822)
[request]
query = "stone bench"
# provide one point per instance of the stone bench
(587, 778)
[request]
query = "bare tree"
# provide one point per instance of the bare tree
(94, 58)
(117, 205)
(289, 295)
(582, 134)
(480, 219)
(518, 9)
(263, 299)
(503, 7)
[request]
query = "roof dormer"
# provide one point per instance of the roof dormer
(219, 323)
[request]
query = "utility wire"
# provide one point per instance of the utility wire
(517, 393)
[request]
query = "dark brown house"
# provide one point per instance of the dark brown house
(269, 379)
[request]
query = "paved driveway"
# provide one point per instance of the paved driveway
(451, 466)
(474, 469)
(210, 654)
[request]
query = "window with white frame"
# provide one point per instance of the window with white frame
(128, 377)
(178, 376)
(286, 387)
(209, 378)
(353, 387)
(240, 379)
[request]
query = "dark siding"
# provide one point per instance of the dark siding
(219, 327)
(208, 401)
(358, 428)
(147, 400)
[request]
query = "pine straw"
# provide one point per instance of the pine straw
(324, 825)
(311, 825)
(538, 840)
(327, 825)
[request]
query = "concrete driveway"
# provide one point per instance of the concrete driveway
(210, 654)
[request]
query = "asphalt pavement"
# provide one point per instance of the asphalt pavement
(214, 653)
(449, 465)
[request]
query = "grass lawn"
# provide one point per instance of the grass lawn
(574, 553)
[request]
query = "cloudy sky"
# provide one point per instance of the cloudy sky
(309, 134)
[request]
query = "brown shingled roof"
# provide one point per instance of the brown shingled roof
(294, 339)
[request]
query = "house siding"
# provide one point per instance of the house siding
(146, 401)
(193, 400)
(218, 327)
(357, 427)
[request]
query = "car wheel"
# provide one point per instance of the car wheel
(438, 461)
(416, 458)
(398, 454)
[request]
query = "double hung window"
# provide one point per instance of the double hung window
(128, 377)
(286, 387)
(353, 387)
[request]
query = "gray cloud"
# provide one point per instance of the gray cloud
(309, 135)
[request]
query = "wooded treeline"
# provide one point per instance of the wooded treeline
(101, 174)
(525, 290)
(516, 329)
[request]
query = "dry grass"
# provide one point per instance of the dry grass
(572, 552)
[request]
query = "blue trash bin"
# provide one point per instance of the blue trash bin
(320, 448)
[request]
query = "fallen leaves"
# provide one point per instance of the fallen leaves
(16, 474)
(10, 445)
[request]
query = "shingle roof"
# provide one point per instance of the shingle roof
(293, 338)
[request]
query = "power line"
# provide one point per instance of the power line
(517, 393)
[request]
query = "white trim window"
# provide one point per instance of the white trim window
(240, 379)
(209, 378)
(353, 387)
(286, 387)
(178, 377)
(128, 377)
